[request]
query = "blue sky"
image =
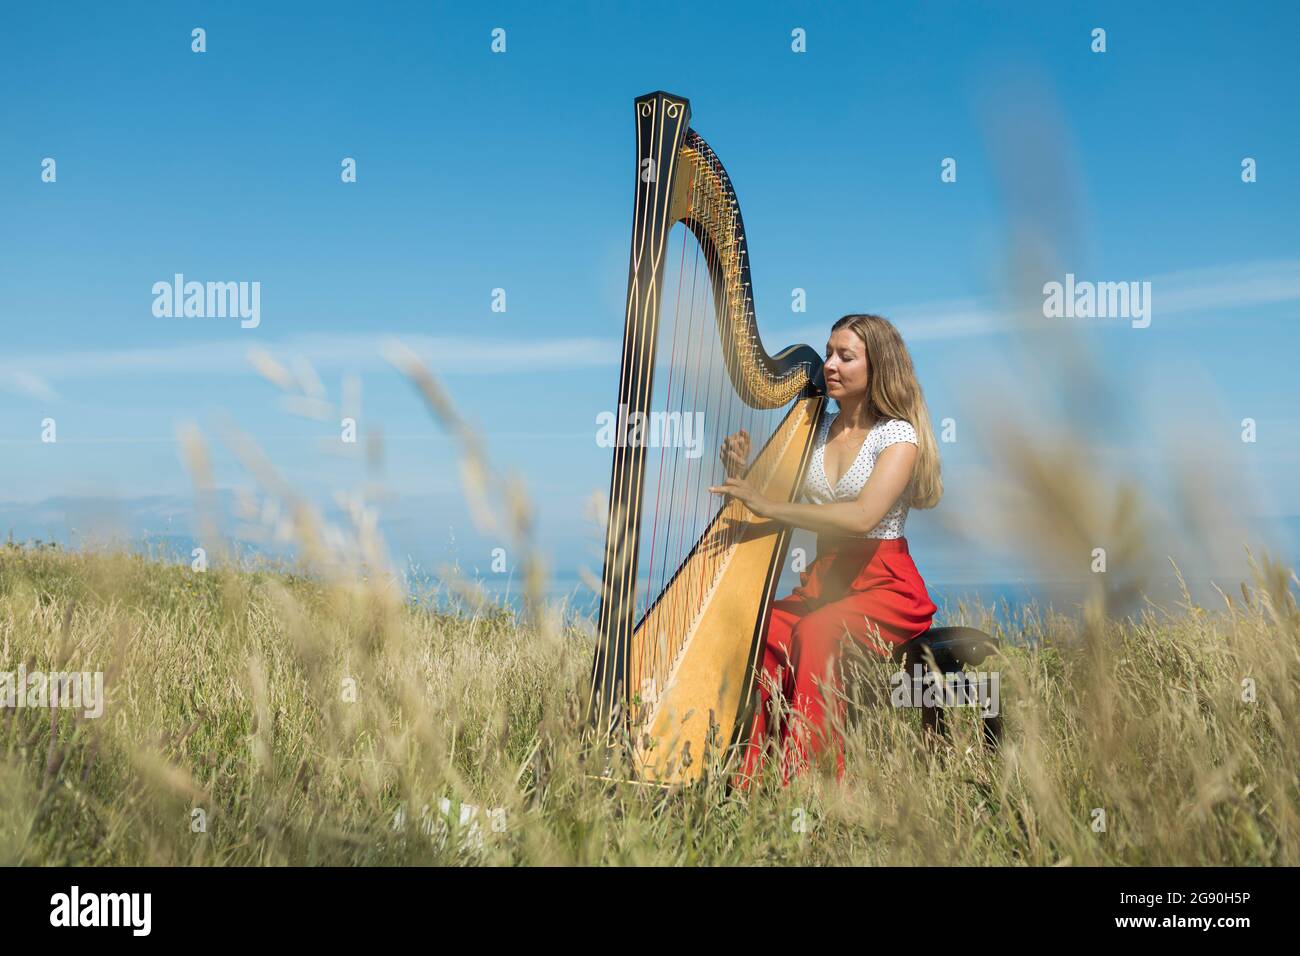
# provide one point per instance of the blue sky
(479, 171)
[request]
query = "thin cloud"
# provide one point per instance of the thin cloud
(1187, 292)
(32, 374)
(1227, 287)
(25, 383)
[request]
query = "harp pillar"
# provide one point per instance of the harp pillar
(662, 122)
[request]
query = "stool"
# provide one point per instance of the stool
(954, 650)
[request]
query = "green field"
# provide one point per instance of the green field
(261, 718)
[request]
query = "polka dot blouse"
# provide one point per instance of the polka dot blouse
(816, 486)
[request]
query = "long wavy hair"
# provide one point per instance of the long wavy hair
(894, 392)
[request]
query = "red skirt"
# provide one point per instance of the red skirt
(864, 589)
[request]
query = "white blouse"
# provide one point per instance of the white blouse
(816, 486)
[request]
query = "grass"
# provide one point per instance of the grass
(231, 737)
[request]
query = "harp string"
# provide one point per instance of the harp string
(657, 640)
(675, 611)
(678, 612)
(663, 446)
(699, 502)
(671, 401)
(677, 514)
(703, 354)
(694, 488)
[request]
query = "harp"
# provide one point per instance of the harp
(688, 578)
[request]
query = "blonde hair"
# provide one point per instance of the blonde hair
(894, 392)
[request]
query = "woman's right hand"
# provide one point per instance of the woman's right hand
(735, 453)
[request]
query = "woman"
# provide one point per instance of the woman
(871, 462)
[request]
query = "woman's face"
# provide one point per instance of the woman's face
(846, 366)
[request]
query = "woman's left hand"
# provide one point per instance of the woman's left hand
(741, 489)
